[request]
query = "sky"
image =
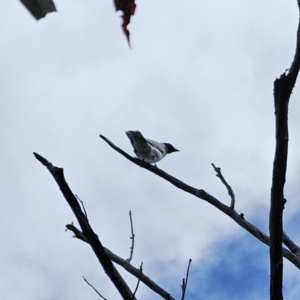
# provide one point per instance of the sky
(200, 76)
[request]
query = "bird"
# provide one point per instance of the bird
(148, 150)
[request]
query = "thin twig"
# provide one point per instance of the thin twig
(82, 207)
(94, 288)
(132, 239)
(229, 189)
(185, 280)
(139, 279)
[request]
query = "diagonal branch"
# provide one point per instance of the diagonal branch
(93, 288)
(139, 279)
(87, 231)
(199, 193)
(128, 267)
(290, 244)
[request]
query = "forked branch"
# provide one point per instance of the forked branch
(87, 231)
(128, 267)
(199, 193)
(228, 187)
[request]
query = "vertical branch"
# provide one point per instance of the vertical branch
(277, 190)
(283, 87)
(132, 239)
(185, 281)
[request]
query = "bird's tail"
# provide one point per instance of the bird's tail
(138, 142)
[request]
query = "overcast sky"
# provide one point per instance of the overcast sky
(199, 76)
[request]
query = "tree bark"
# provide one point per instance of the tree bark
(283, 87)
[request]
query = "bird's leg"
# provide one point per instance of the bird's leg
(154, 162)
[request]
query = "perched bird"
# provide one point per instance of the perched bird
(148, 150)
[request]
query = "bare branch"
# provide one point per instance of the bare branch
(132, 239)
(290, 244)
(77, 233)
(229, 189)
(85, 213)
(277, 192)
(283, 87)
(199, 193)
(294, 69)
(94, 288)
(139, 279)
(87, 231)
(185, 280)
(128, 267)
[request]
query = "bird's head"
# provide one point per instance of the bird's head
(170, 148)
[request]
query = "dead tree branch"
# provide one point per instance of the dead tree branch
(82, 204)
(132, 240)
(77, 233)
(229, 189)
(93, 288)
(185, 280)
(199, 193)
(290, 244)
(283, 87)
(87, 231)
(128, 267)
(139, 279)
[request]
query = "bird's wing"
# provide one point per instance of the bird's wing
(138, 142)
(157, 145)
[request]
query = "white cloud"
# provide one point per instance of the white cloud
(199, 76)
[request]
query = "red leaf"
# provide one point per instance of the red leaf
(128, 9)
